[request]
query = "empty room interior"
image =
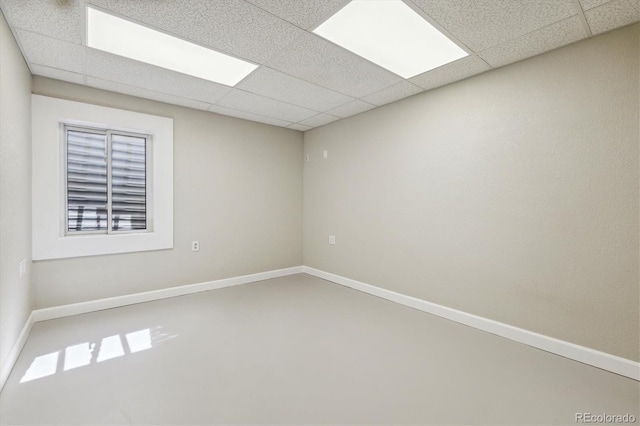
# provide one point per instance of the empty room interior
(319, 212)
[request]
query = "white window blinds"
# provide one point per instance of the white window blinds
(106, 181)
(128, 182)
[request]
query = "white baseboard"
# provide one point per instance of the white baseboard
(132, 299)
(579, 353)
(11, 359)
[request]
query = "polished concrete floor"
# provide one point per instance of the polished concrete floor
(294, 350)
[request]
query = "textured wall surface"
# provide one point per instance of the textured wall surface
(15, 191)
(512, 195)
(237, 190)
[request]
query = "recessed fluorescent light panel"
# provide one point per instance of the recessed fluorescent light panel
(125, 38)
(391, 34)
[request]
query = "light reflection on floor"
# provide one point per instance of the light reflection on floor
(83, 354)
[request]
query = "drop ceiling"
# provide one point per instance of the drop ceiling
(303, 81)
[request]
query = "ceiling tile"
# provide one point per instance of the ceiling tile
(305, 14)
(480, 24)
(458, 70)
(393, 93)
(319, 120)
(300, 127)
(57, 19)
(248, 116)
(133, 73)
(303, 78)
(613, 15)
(256, 104)
(58, 74)
(143, 93)
(318, 61)
(54, 53)
(537, 42)
(590, 4)
(231, 26)
(276, 85)
(352, 108)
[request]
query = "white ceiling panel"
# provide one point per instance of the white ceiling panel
(256, 104)
(277, 85)
(64, 21)
(57, 74)
(352, 108)
(590, 4)
(143, 93)
(319, 120)
(300, 127)
(318, 61)
(248, 116)
(458, 70)
(43, 50)
(612, 15)
(537, 42)
(392, 93)
(303, 80)
(480, 24)
(231, 26)
(133, 73)
(306, 14)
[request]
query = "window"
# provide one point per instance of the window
(106, 188)
(102, 180)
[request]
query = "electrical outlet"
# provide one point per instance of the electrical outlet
(332, 239)
(23, 267)
(195, 245)
(325, 154)
(306, 157)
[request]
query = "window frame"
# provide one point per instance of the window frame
(48, 179)
(65, 127)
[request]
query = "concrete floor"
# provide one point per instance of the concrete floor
(294, 350)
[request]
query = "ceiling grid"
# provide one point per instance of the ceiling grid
(302, 80)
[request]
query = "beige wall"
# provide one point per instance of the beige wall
(15, 191)
(512, 195)
(237, 190)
